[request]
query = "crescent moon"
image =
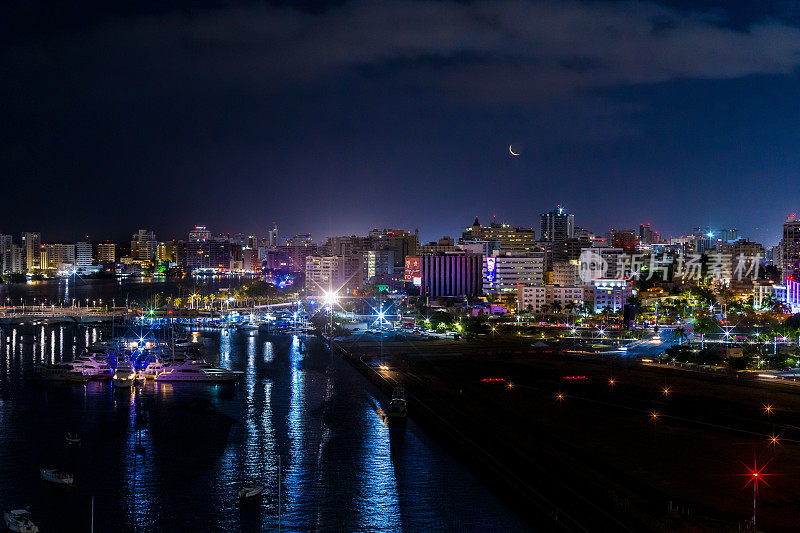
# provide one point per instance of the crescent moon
(510, 150)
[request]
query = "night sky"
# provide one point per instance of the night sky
(332, 118)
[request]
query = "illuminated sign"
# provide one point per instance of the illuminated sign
(490, 268)
(412, 270)
(417, 281)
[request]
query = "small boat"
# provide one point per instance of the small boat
(72, 438)
(397, 405)
(19, 520)
(53, 475)
(251, 490)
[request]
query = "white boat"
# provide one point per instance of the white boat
(19, 520)
(247, 326)
(72, 438)
(251, 490)
(125, 375)
(193, 370)
(93, 367)
(54, 475)
(153, 369)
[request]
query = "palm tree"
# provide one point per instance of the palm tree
(679, 335)
(557, 307)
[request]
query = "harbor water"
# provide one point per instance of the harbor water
(172, 456)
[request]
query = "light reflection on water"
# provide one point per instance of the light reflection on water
(342, 466)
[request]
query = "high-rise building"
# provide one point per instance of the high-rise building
(54, 256)
(6, 253)
(647, 235)
(332, 273)
(401, 242)
(83, 254)
(511, 239)
(165, 252)
(204, 255)
(625, 239)
(17, 259)
(32, 245)
(273, 236)
(106, 252)
(377, 263)
(143, 245)
(200, 234)
(557, 226)
(790, 248)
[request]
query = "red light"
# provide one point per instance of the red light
(492, 380)
(575, 377)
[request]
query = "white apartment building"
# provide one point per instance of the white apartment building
(537, 296)
(332, 273)
(83, 254)
(504, 273)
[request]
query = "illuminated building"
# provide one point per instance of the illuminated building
(445, 244)
(345, 245)
(511, 239)
(6, 253)
(790, 248)
(451, 274)
(57, 256)
(200, 234)
(332, 273)
(377, 263)
(273, 236)
(566, 273)
(557, 226)
(204, 255)
(143, 245)
(83, 254)
(165, 252)
(399, 241)
(505, 272)
(533, 297)
(647, 235)
(611, 294)
(31, 246)
(107, 252)
(625, 239)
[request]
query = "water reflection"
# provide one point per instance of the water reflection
(179, 467)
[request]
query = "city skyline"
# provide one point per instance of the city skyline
(330, 118)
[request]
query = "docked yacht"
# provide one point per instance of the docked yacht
(154, 368)
(193, 370)
(125, 375)
(19, 520)
(92, 366)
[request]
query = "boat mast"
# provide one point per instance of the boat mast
(280, 511)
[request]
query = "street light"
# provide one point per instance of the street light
(755, 475)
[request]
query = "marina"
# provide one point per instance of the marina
(187, 456)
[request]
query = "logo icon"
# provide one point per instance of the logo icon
(593, 266)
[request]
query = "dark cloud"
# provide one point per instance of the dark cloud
(554, 45)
